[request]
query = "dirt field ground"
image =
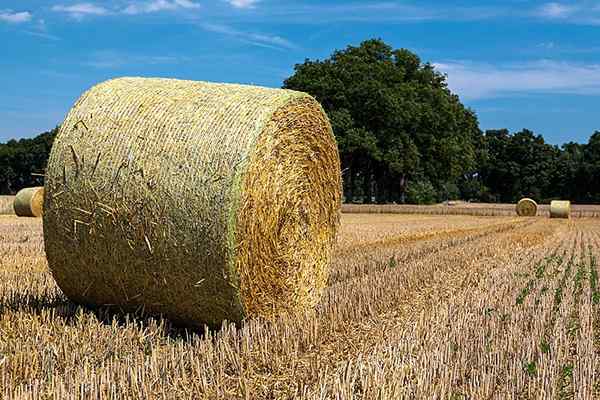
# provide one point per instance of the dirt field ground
(447, 307)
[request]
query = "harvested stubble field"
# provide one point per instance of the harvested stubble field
(420, 307)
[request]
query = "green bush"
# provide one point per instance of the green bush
(421, 192)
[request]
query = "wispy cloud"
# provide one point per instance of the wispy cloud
(81, 10)
(559, 48)
(15, 17)
(110, 59)
(378, 11)
(556, 10)
(243, 3)
(40, 29)
(159, 5)
(476, 81)
(253, 38)
(576, 12)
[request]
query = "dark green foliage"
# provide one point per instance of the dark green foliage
(21, 162)
(395, 120)
(421, 192)
(523, 165)
(519, 165)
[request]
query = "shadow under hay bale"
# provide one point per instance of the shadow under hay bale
(201, 202)
(29, 202)
(527, 208)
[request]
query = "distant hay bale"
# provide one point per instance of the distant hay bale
(560, 209)
(202, 202)
(7, 205)
(29, 202)
(527, 208)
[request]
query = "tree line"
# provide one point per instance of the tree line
(403, 137)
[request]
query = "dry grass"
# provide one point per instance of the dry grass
(6, 205)
(415, 307)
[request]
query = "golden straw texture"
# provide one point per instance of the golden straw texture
(29, 202)
(203, 202)
(560, 209)
(527, 208)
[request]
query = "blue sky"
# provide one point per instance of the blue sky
(518, 64)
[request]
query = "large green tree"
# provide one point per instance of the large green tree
(394, 118)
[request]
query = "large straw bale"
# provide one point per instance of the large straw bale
(29, 202)
(202, 202)
(527, 208)
(560, 209)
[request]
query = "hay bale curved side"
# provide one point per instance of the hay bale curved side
(29, 202)
(202, 202)
(560, 209)
(527, 208)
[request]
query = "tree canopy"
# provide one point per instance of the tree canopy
(23, 162)
(395, 120)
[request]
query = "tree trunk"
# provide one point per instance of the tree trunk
(402, 187)
(367, 187)
(350, 186)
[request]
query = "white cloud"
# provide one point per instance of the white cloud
(575, 12)
(476, 81)
(256, 39)
(159, 5)
(243, 3)
(556, 10)
(81, 10)
(15, 17)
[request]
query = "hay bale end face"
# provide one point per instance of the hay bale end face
(202, 202)
(29, 202)
(527, 208)
(560, 209)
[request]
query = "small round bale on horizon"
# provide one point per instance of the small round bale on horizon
(198, 201)
(527, 207)
(29, 202)
(560, 209)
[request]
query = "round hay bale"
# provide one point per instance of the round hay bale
(201, 202)
(29, 202)
(560, 209)
(527, 208)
